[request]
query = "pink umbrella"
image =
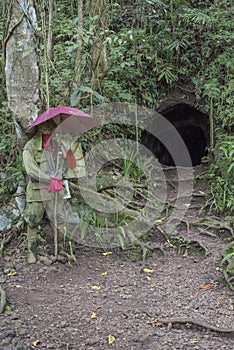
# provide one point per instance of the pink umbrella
(83, 123)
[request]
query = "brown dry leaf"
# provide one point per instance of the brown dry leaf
(99, 306)
(148, 270)
(94, 315)
(104, 273)
(148, 278)
(111, 339)
(158, 323)
(224, 297)
(95, 287)
(153, 285)
(36, 342)
(206, 286)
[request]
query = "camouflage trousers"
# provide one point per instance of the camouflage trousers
(34, 214)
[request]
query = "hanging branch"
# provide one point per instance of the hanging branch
(79, 42)
(45, 57)
(211, 117)
(50, 30)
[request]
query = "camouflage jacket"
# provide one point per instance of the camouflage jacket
(37, 163)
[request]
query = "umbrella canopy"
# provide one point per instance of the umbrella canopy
(81, 121)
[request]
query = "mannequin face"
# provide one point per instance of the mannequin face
(47, 127)
(60, 118)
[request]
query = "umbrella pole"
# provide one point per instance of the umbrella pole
(56, 214)
(55, 224)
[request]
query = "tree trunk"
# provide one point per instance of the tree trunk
(21, 62)
(98, 51)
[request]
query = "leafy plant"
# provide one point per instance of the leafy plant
(221, 177)
(228, 255)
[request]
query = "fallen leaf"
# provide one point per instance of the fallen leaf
(205, 287)
(113, 323)
(224, 297)
(148, 278)
(194, 341)
(158, 323)
(153, 285)
(148, 270)
(99, 307)
(160, 220)
(106, 253)
(95, 287)
(104, 273)
(12, 273)
(94, 315)
(149, 323)
(36, 342)
(8, 308)
(111, 339)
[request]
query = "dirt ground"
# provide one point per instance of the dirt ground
(109, 302)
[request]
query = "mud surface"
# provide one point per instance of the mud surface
(108, 301)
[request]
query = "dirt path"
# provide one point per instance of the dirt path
(108, 302)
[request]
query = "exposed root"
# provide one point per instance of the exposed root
(213, 223)
(146, 246)
(4, 241)
(195, 322)
(188, 244)
(3, 300)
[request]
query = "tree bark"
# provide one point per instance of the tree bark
(98, 51)
(21, 62)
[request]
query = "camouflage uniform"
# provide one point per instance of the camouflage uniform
(38, 199)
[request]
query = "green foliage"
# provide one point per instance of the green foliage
(153, 47)
(228, 255)
(228, 259)
(10, 159)
(222, 176)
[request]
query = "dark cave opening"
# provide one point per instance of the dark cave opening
(193, 127)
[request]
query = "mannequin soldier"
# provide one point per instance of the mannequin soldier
(42, 182)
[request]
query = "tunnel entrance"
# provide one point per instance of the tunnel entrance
(193, 127)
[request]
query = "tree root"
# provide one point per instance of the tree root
(187, 244)
(146, 246)
(214, 223)
(3, 243)
(3, 300)
(195, 322)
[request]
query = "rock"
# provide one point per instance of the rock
(7, 333)
(11, 214)
(45, 260)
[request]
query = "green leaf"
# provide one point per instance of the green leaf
(75, 97)
(228, 256)
(26, 53)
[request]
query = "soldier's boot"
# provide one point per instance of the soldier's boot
(32, 244)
